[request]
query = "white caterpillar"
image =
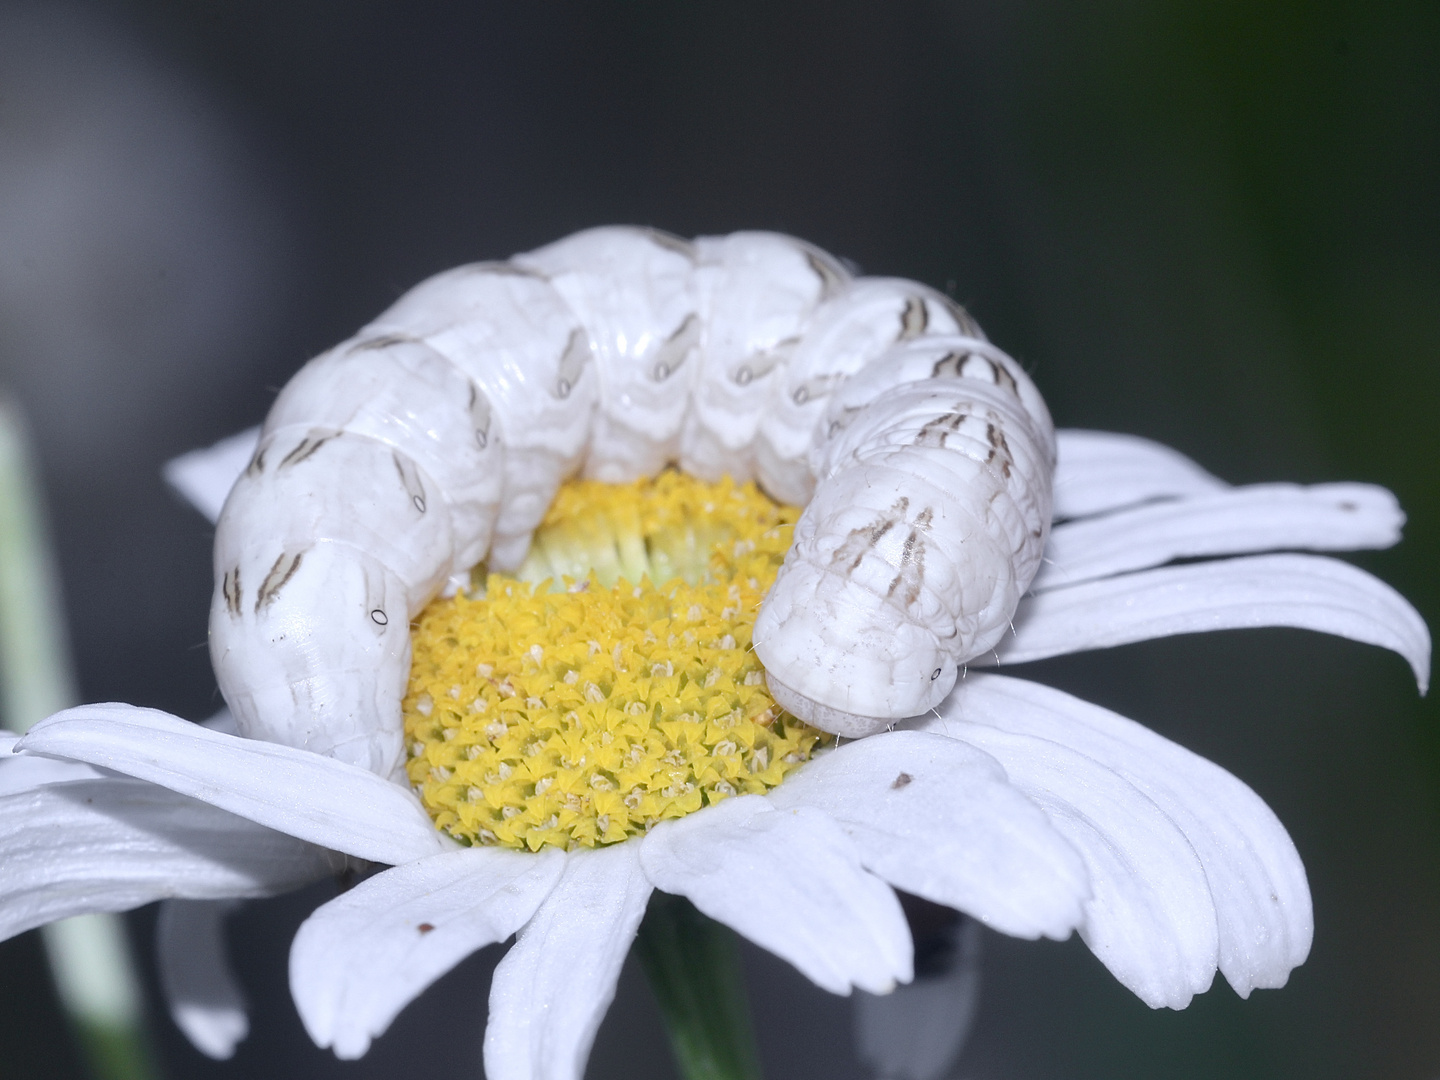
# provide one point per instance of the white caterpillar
(437, 437)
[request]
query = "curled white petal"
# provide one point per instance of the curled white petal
(114, 844)
(554, 985)
(361, 958)
(204, 999)
(1150, 918)
(1101, 470)
(1309, 592)
(1232, 521)
(25, 772)
(790, 881)
(938, 818)
(1255, 876)
(304, 795)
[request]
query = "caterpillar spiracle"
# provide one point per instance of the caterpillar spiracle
(437, 436)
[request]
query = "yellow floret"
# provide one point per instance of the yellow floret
(573, 707)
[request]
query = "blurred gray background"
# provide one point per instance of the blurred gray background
(1216, 224)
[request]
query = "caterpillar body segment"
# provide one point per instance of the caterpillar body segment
(527, 354)
(634, 292)
(930, 515)
(856, 327)
(437, 437)
(758, 294)
(399, 392)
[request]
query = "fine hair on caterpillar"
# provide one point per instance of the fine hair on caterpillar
(437, 436)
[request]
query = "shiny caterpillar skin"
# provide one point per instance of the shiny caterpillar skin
(436, 438)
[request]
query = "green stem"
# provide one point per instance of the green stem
(89, 956)
(693, 964)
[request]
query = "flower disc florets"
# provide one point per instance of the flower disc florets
(582, 713)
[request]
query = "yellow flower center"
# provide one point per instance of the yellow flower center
(581, 713)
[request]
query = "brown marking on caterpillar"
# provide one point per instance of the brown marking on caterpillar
(937, 431)
(425, 927)
(912, 559)
(410, 480)
(762, 363)
(849, 412)
(830, 282)
(572, 363)
(816, 388)
(307, 447)
(283, 570)
(963, 319)
(230, 588)
(865, 538)
(953, 364)
(1004, 379)
(257, 463)
(666, 240)
(384, 341)
(998, 445)
(950, 365)
(676, 349)
(479, 409)
(901, 781)
(504, 269)
(914, 319)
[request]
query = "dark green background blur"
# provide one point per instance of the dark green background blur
(1215, 224)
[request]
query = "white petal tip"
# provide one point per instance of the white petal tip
(214, 1031)
(1062, 931)
(351, 1046)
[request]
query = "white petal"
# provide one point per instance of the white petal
(1150, 919)
(939, 819)
(1305, 591)
(554, 985)
(1256, 879)
(114, 844)
(1233, 521)
(24, 772)
(361, 958)
(315, 798)
(205, 1001)
(790, 881)
(205, 477)
(1099, 471)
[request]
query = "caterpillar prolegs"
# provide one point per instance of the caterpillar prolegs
(437, 436)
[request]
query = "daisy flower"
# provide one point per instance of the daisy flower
(1034, 812)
